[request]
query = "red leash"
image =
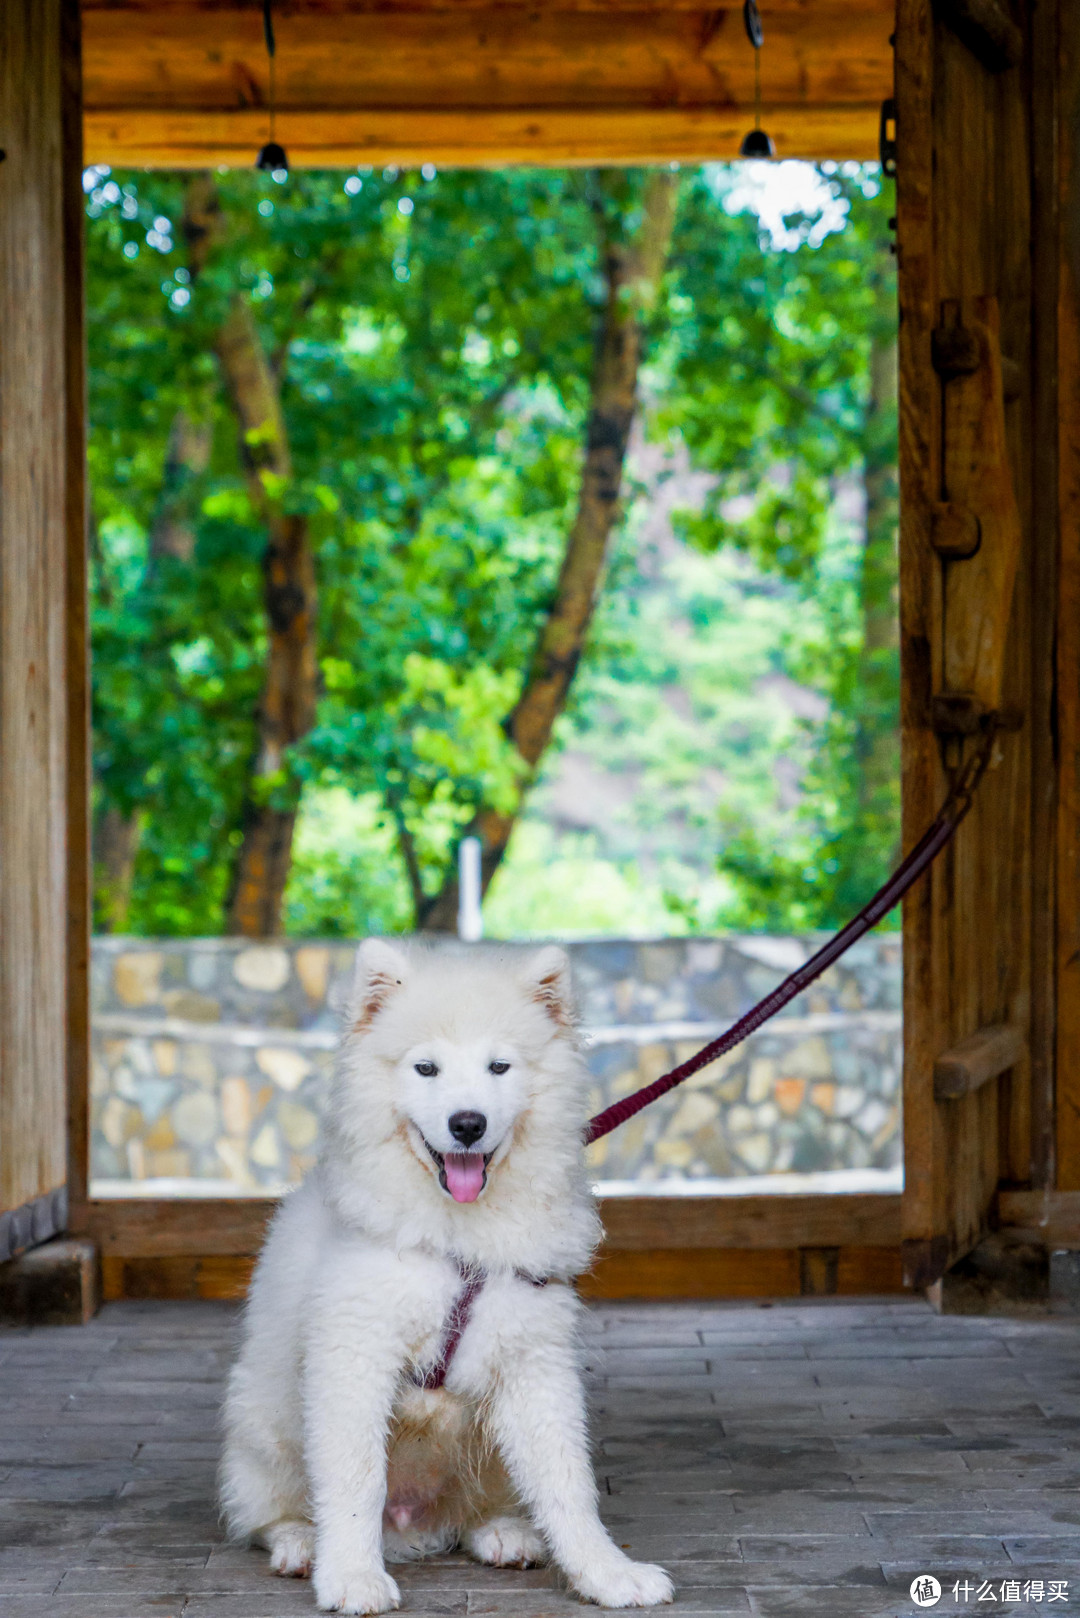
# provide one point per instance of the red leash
(926, 850)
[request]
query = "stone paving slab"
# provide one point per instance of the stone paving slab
(804, 1458)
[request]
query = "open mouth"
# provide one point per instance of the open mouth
(462, 1174)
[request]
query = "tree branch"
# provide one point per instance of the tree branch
(407, 844)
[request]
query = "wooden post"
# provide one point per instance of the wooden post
(972, 188)
(42, 919)
(1068, 619)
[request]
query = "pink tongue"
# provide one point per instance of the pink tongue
(464, 1175)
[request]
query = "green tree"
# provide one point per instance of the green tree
(787, 395)
(353, 507)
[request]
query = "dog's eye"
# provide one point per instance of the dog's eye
(498, 1067)
(426, 1070)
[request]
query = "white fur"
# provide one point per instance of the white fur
(332, 1454)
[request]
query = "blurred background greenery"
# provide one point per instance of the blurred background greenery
(426, 349)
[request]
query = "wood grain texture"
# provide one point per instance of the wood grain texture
(976, 1060)
(77, 636)
(304, 9)
(1053, 1216)
(148, 1229)
(1067, 885)
(473, 137)
(986, 28)
(977, 477)
(134, 1228)
(1038, 1125)
(964, 207)
(735, 1273)
(187, 85)
(759, 1222)
(664, 1273)
(33, 542)
(180, 1276)
(452, 58)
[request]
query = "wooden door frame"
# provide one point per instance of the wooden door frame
(661, 1246)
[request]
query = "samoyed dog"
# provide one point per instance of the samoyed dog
(409, 1376)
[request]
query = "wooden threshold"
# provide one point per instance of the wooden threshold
(673, 1247)
(656, 1273)
(235, 1227)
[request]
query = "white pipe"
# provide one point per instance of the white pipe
(470, 923)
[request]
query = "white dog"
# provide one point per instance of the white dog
(434, 1243)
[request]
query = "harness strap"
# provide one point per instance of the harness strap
(472, 1284)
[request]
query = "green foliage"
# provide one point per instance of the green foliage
(787, 395)
(434, 336)
(398, 381)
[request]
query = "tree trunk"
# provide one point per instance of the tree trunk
(877, 733)
(188, 455)
(172, 534)
(632, 271)
(286, 710)
(116, 846)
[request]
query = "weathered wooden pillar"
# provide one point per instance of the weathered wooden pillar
(977, 221)
(1066, 895)
(43, 855)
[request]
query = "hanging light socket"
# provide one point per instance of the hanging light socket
(272, 158)
(757, 143)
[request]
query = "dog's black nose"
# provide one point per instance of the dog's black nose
(467, 1127)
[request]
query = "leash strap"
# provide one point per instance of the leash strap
(909, 871)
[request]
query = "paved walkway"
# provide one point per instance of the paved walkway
(801, 1459)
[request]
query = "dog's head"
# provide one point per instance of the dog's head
(457, 1054)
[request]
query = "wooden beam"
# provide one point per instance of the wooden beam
(158, 138)
(735, 1273)
(368, 8)
(1052, 1216)
(136, 1228)
(183, 85)
(757, 1223)
(978, 1059)
(661, 1273)
(452, 59)
(167, 1228)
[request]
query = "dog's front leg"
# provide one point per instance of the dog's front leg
(538, 1421)
(350, 1378)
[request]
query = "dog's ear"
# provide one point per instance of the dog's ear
(547, 978)
(381, 969)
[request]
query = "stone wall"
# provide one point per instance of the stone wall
(211, 1058)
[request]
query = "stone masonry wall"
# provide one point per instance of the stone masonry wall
(211, 1057)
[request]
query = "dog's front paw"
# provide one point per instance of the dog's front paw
(369, 1589)
(626, 1584)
